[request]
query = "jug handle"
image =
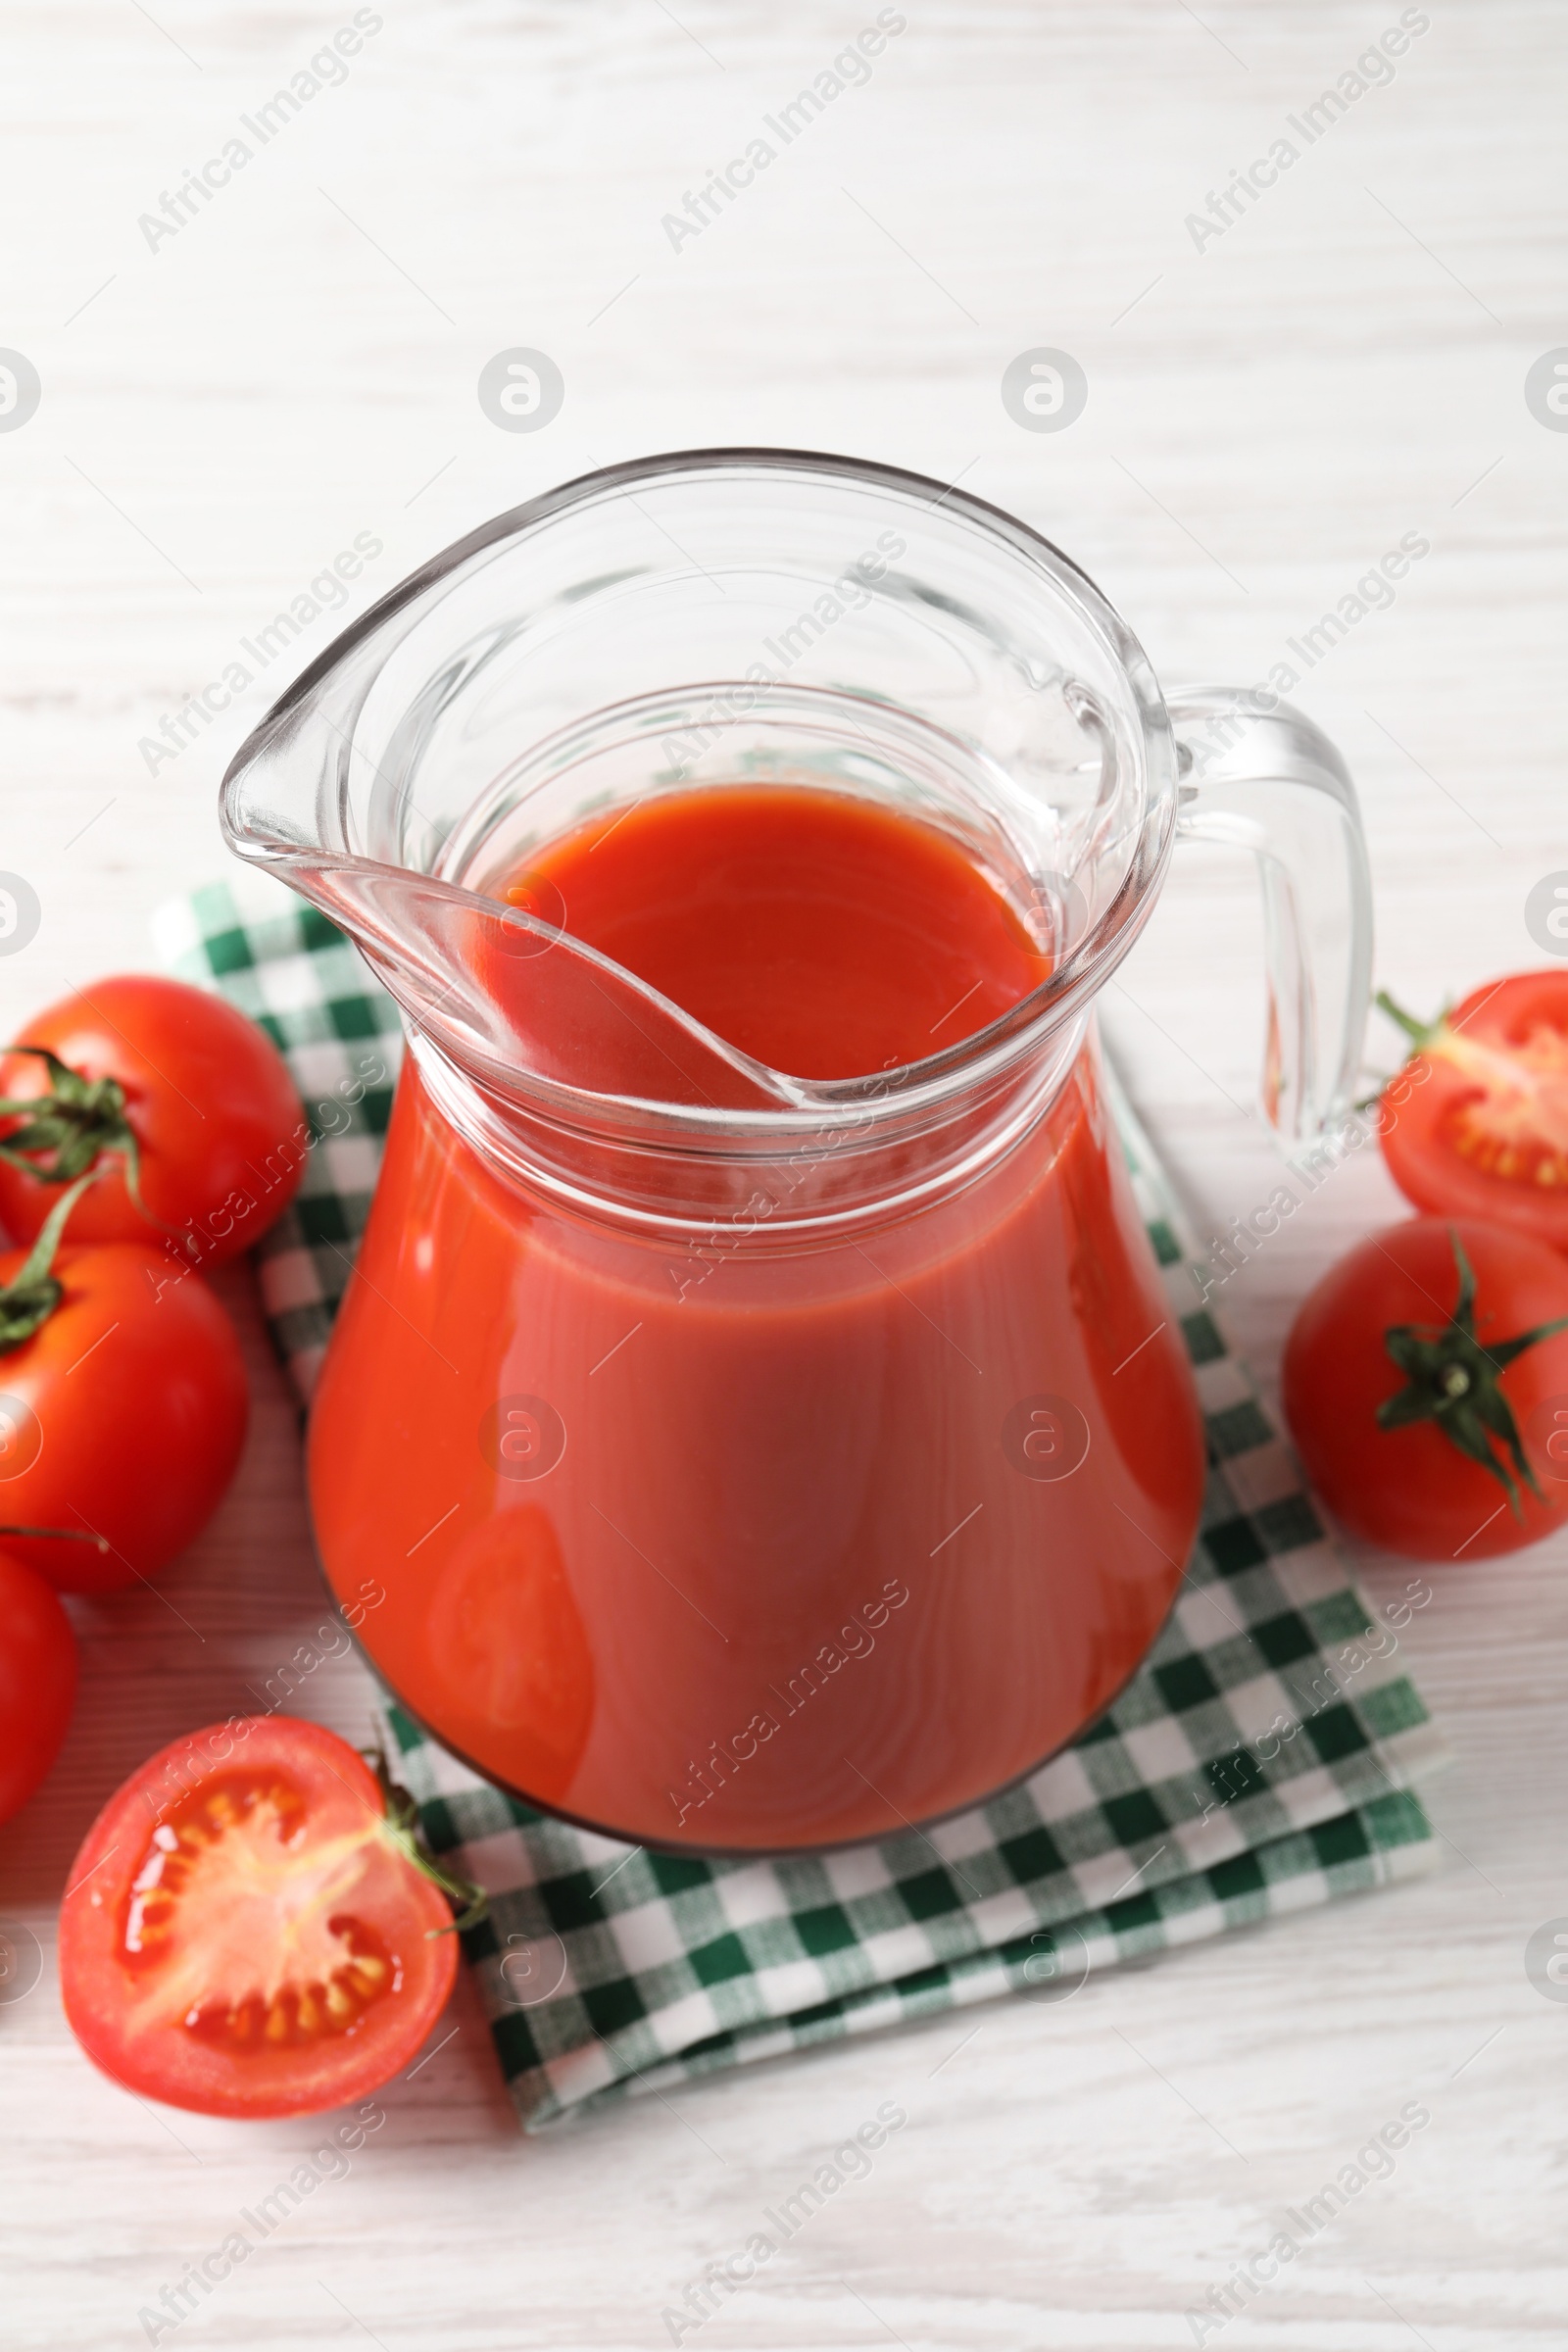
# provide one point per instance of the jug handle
(1257, 774)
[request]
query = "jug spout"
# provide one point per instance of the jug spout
(316, 798)
(519, 1006)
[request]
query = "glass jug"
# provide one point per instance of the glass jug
(755, 1463)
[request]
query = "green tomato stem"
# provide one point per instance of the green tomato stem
(1452, 1378)
(33, 1294)
(402, 1830)
(77, 1121)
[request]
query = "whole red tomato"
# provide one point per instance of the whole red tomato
(1426, 1384)
(247, 1932)
(37, 1680)
(123, 1411)
(1477, 1121)
(168, 1076)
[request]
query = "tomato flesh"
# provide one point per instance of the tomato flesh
(254, 1944)
(1513, 1123)
(234, 1905)
(1478, 1123)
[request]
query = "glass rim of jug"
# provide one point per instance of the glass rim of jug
(1142, 760)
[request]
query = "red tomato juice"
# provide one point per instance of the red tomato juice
(791, 1543)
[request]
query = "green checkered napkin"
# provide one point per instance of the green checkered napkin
(1260, 1762)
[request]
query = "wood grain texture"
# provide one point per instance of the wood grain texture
(1266, 417)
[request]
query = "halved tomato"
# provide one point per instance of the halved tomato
(1477, 1123)
(245, 1932)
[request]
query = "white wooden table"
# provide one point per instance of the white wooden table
(224, 408)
